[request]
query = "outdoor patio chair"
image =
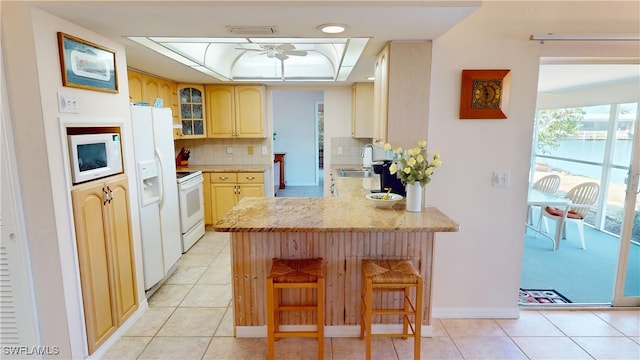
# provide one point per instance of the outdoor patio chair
(582, 197)
(548, 184)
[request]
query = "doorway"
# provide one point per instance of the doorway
(585, 130)
(298, 133)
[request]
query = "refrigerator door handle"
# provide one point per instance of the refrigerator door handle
(160, 175)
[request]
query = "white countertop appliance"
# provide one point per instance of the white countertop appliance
(157, 192)
(191, 201)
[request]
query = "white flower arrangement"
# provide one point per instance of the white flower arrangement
(412, 165)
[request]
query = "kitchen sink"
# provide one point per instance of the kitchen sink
(356, 173)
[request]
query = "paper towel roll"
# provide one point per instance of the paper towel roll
(367, 157)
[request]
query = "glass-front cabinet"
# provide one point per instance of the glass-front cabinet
(192, 111)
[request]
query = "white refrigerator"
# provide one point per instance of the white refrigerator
(157, 191)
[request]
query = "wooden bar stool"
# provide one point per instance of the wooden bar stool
(391, 276)
(294, 273)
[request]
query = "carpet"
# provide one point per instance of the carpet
(537, 296)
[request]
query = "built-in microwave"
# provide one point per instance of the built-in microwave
(94, 156)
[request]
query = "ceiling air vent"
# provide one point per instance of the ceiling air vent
(253, 30)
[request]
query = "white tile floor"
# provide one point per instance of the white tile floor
(190, 318)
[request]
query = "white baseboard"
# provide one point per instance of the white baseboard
(329, 331)
(476, 313)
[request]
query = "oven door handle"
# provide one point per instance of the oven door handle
(160, 175)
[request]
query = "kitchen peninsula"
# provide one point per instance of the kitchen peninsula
(342, 230)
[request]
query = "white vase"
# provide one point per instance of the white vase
(414, 197)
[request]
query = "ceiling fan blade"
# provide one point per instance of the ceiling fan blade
(296, 52)
(282, 56)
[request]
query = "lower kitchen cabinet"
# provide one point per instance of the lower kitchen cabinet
(206, 194)
(229, 188)
(105, 255)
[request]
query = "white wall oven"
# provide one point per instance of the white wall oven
(191, 201)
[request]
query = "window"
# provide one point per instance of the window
(590, 143)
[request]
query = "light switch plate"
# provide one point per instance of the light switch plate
(500, 179)
(264, 150)
(229, 150)
(68, 103)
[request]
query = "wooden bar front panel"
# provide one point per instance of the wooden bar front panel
(342, 253)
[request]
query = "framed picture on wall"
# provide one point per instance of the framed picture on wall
(86, 65)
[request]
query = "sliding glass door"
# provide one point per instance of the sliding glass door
(627, 285)
(587, 130)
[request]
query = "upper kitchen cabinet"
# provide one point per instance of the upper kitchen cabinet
(147, 88)
(401, 90)
(136, 86)
(236, 111)
(381, 96)
(192, 110)
(362, 110)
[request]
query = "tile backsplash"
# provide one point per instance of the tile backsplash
(347, 150)
(344, 150)
(215, 151)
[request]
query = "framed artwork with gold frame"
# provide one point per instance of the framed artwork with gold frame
(86, 65)
(484, 94)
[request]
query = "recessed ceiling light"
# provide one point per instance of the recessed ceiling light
(332, 28)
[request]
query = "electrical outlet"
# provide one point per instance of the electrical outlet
(264, 150)
(340, 150)
(250, 150)
(229, 150)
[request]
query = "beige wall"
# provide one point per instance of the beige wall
(477, 270)
(33, 79)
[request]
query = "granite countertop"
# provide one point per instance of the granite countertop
(348, 212)
(225, 168)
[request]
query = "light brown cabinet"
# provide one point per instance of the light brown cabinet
(206, 193)
(136, 86)
(401, 87)
(192, 111)
(146, 88)
(381, 96)
(227, 188)
(105, 255)
(362, 110)
(236, 111)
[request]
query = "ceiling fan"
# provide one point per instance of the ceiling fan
(281, 51)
